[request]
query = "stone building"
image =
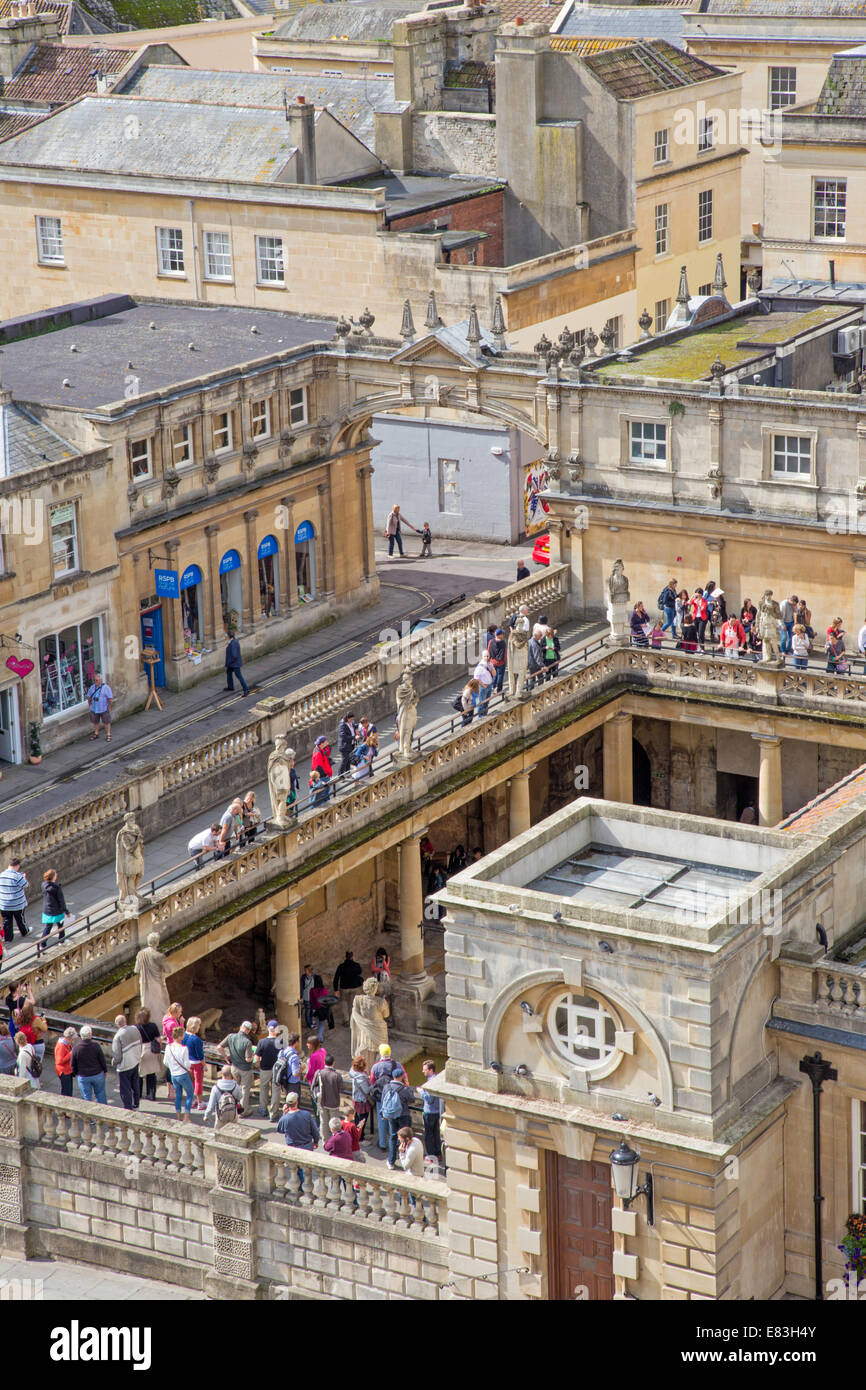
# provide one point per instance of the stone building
(330, 40)
(189, 488)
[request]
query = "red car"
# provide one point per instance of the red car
(541, 550)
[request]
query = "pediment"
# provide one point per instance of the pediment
(432, 352)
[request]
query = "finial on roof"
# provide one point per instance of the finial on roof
(645, 323)
(407, 327)
(432, 319)
(473, 329)
(590, 342)
(719, 281)
(683, 295)
(499, 324)
(366, 320)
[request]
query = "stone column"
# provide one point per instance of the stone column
(411, 909)
(618, 758)
(287, 970)
(519, 812)
(325, 582)
(769, 780)
(252, 584)
(289, 593)
(859, 614)
(366, 513)
(555, 530)
(175, 644)
(213, 615)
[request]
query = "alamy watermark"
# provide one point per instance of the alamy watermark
(709, 127)
(23, 516)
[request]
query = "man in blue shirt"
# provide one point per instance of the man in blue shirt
(433, 1108)
(233, 665)
(99, 699)
(300, 1128)
(13, 899)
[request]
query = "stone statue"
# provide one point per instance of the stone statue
(769, 618)
(151, 967)
(407, 714)
(280, 780)
(618, 604)
(518, 654)
(617, 584)
(368, 1027)
(129, 861)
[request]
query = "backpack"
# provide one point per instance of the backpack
(663, 598)
(359, 755)
(35, 1068)
(380, 1083)
(457, 703)
(227, 1105)
(392, 1102)
(281, 1066)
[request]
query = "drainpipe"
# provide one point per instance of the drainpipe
(191, 204)
(818, 1071)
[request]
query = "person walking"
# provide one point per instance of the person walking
(433, 1108)
(348, 978)
(88, 1066)
(327, 1092)
(426, 541)
(225, 1101)
(194, 1044)
(62, 1059)
(267, 1051)
(237, 1049)
(468, 699)
(668, 606)
(392, 530)
(346, 736)
(362, 1092)
(203, 841)
(54, 910)
(13, 900)
(177, 1062)
(126, 1049)
(100, 698)
(497, 655)
(150, 1066)
(233, 664)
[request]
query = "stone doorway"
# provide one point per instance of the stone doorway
(579, 1236)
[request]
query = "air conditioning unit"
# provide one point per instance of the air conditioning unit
(848, 340)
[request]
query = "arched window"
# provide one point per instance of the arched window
(269, 571)
(305, 561)
(190, 604)
(231, 589)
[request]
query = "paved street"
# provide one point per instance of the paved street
(36, 1281)
(410, 587)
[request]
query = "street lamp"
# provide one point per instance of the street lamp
(624, 1161)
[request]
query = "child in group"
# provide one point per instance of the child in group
(318, 788)
(657, 634)
(426, 540)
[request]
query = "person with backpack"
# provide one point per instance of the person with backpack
(267, 1050)
(225, 1101)
(497, 655)
(667, 602)
(287, 1068)
(362, 1092)
(466, 700)
(396, 1099)
(29, 1066)
(380, 1073)
(237, 1049)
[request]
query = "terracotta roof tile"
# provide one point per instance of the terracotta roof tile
(836, 798)
(583, 48)
(53, 73)
(645, 68)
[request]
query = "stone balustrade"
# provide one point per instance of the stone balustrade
(824, 992)
(228, 1213)
(204, 771)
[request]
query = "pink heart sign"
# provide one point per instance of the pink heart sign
(19, 667)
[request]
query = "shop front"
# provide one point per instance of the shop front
(305, 561)
(269, 571)
(231, 589)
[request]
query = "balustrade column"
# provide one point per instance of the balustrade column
(769, 780)
(287, 969)
(411, 908)
(618, 782)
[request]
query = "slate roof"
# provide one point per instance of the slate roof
(352, 100)
(532, 11)
(174, 139)
(628, 21)
(355, 23)
(34, 368)
(30, 444)
(844, 89)
(12, 122)
(648, 67)
(783, 9)
(52, 73)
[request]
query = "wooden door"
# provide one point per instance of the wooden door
(579, 1237)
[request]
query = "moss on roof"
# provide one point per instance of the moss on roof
(736, 341)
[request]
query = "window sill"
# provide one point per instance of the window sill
(807, 484)
(171, 275)
(270, 285)
(52, 265)
(69, 713)
(639, 466)
(662, 163)
(218, 280)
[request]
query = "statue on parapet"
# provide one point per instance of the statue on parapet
(280, 780)
(151, 967)
(407, 715)
(618, 601)
(129, 863)
(769, 618)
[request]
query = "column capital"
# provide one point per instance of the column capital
(250, 515)
(620, 717)
(858, 561)
(288, 501)
(213, 529)
(714, 545)
(771, 740)
(321, 489)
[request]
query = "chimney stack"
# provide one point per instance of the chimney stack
(20, 32)
(302, 132)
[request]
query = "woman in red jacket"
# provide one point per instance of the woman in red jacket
(699, 613)
(321, 763)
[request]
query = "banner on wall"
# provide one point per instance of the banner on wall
(535, 508)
